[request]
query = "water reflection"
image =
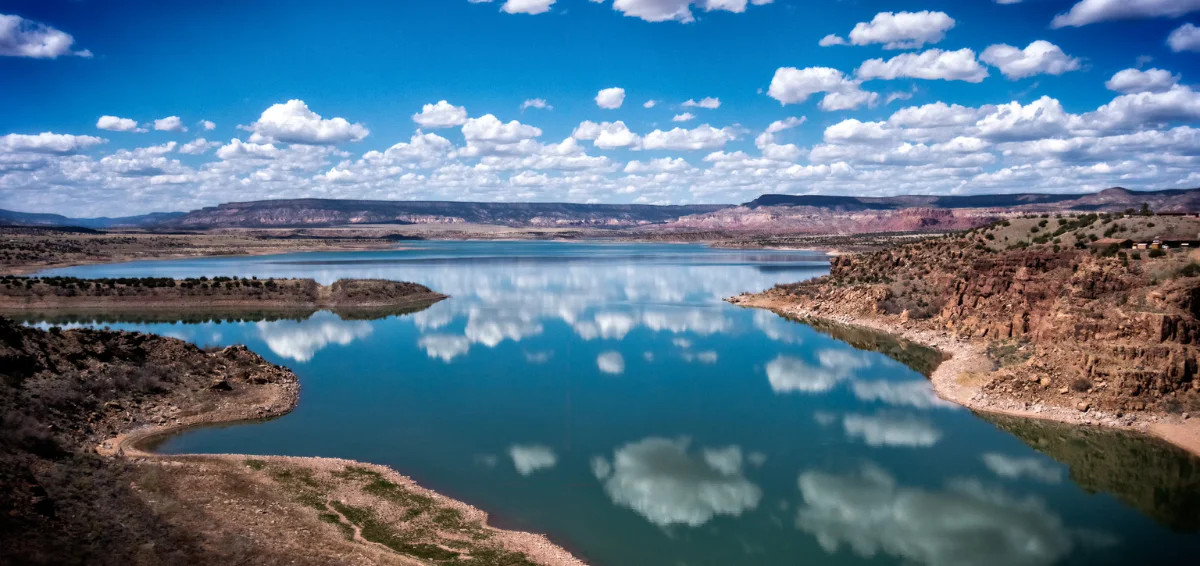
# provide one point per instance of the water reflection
(661, 481)
(604, 395)
(1158, 479)
(964, 523)
(300, 340)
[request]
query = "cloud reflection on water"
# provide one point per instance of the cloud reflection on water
(301, 340)
(658, 479)
(965, 523)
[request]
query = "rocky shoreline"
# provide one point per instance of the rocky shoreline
(80, 407)
(962, 374)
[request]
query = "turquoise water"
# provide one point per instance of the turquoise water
(604, 395)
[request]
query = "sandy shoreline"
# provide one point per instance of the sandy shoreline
(960, 378)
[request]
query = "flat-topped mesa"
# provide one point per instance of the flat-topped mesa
(23, 293)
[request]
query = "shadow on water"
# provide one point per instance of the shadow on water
(109, 315)
(1158, 479)
(921, 359)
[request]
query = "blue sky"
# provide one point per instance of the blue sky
(927, 117)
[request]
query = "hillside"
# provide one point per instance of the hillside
(819, 214)
(1112, 200)
(1061, 322)
(322, 212)
(13, 218)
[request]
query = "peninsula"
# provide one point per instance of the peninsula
(78, 407)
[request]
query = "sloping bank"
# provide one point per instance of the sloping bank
(1063, 335)
(79, 407)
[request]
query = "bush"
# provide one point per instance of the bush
(1156, 253)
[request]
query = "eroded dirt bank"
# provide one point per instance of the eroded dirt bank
(79, 489)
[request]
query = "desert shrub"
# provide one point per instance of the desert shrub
(1079, 385)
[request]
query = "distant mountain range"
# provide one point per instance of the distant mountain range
(12, 218)
(802, 213)
(1180, 200)
(322, 212)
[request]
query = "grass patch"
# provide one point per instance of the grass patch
(1005, 353)
(256, 465)
(347, 530)
(376, 531)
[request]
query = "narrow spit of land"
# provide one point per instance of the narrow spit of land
(217, 293)
(1043, 317)
(79, 405)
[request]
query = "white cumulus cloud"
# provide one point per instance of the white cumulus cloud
(441, 115)
(1038, 58)
(1093, 11)
(610, 98)
(20, 37)
(903, 30)
(1184, 38)
(933, 64)
(115, 124)
(293, 122)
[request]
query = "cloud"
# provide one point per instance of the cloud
(891, 429)
(115, 124)
(538, 103)
(1133, 81)
(933, 64)
(678, 10)
(685, 117)
(170, 124)
(236, 149)
(963, 524)
(658, 479)
(531, 458)
(1014, 468)
(610, 98)
(441, 115)
(527, 6)
(903, 30)
(26, 38)
(1184, 38)
(207, 125)
(293, 122)
(794, 86)
(1038, 58)
(785, 124)
(47, 142)
(706, 102)
(703, 136)
(198, 146)
(650, 104)
(607, 135)
(1093, 11)
(488, 128)
(611, 362)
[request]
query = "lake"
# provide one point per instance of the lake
(604, 395)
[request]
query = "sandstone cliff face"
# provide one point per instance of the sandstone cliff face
(1066, 327)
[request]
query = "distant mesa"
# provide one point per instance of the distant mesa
(785, 213)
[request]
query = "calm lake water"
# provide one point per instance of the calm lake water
(604, 395)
